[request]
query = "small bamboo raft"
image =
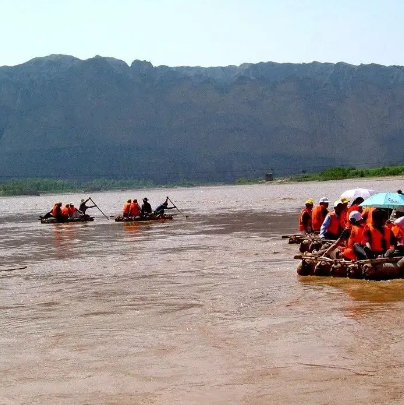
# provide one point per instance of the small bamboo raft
(384, 268)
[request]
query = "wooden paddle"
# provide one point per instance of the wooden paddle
(98, 208)
(186, 216)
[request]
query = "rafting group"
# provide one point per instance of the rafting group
(131, 212)
(364, 239)
(68, 212)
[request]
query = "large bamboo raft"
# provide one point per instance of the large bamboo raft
(313, 263)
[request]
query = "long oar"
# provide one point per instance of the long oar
(186, 216)
(98, 208)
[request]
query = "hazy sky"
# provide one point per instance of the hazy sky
(204, 32)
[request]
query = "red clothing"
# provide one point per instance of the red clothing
(306, 212)
(356, 236)
(379, 240)
(126, 208)
(318, 215)
(134, 210)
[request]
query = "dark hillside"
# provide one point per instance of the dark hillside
(64, 117)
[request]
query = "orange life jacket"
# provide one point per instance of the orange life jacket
(367, 213)
(126, 208)
(377, 237)
(397, 231)
(65, 211)
(337, 224)
(55, 210)
(134, 210)
(355, 237)
(301, 224)
(317, 217)
(73, 210)
(344, 217)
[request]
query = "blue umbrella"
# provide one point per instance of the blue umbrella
(384, 200)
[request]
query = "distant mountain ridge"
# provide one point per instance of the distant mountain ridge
(65, 117)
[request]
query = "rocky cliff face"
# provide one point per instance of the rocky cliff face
(61, 116)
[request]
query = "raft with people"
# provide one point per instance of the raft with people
(364, 241)
(133, 212)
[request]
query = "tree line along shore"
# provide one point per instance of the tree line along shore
(37, 186)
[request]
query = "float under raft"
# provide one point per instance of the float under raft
(372, 269)
(148, 219)
(78, 220)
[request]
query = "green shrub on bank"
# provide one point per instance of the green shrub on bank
(43, 186)
(244, 181)
(339, 173)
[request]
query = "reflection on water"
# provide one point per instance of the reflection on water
(200, 310)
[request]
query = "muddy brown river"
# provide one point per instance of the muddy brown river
(204, 310)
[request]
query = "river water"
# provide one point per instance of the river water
(205, 309)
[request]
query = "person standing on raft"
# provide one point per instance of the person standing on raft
(83, 207)
(164, 206)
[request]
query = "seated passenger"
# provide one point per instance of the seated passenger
(334, 222)
(352, 236)
(126, 208)
(66, 210)
(319, 213)
(134, 209)
(73, 211)
(305, 221)
(378, 238)
(146, 208)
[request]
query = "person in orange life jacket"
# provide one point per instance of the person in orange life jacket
(354, 207)
(305, 223)
(54, 212)
(319, 213)
(134, 208)
(126, 208)
(73, 210)
(66, 210)
(352, 236)
(378, 238)
(57, 212)
(333, 224)
(397, 227)
(146, 208)
(367, 214)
